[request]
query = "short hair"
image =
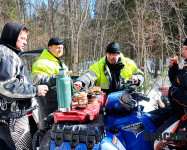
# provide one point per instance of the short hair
(25, 29)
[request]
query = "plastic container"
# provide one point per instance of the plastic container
(92, 99)
(82, 100)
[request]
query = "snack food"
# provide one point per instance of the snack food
(69, 72)
(96, 88)
(175, 59)
(76, 97)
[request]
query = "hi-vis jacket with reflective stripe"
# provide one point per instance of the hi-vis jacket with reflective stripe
(45, 68)
(99, 73)
(44, 71)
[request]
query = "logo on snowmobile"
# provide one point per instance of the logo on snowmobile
(137, 128)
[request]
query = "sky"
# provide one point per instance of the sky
(33, 3)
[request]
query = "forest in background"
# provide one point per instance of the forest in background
(148, 31)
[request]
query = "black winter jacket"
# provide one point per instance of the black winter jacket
(16, 87)
(178, 90)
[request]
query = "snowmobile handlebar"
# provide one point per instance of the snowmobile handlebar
(139, 97)
(131, 88)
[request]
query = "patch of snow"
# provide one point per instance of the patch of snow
(153, 95)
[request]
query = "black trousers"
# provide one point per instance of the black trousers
(6, 142)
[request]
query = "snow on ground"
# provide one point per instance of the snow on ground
(153, 95)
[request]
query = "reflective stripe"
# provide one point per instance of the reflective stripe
(108, 70)
(104, 85)
(108, 76)
(36, 78)
(137, 71)
(91, 74)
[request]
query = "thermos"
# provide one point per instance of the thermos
(63, 91)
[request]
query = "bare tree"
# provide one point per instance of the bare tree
(20, 6)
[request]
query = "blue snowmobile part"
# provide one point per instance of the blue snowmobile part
(132, 129)
(129, 129)
(81, 146)
(113, 100)
(96, 146)
(64, 146)
(136, 116)
(67, 146)
(106, 144)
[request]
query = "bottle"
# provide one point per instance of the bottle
(63, 91)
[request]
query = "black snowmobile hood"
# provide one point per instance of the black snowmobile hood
(10, 35)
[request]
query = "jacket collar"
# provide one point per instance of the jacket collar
(47, 55)
(17, 51)
(118, 65)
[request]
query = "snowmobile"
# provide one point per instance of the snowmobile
(127, 126)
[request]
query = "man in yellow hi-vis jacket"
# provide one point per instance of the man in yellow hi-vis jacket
(110, 72)
(44, 71)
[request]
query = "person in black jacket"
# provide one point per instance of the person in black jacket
(176, 115)
(16, 90)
